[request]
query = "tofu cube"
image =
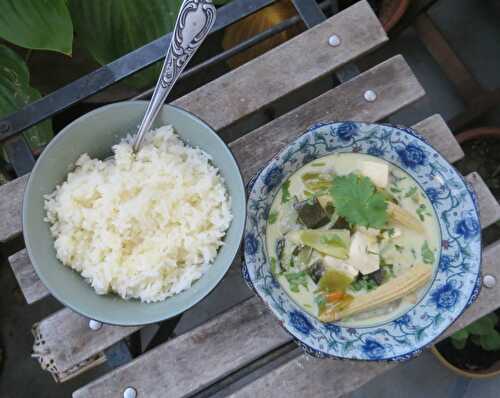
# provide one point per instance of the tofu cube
(340, 265)
(376, 171)
(363, 253)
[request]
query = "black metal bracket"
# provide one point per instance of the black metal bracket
(112, 73)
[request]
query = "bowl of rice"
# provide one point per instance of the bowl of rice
(137, 238)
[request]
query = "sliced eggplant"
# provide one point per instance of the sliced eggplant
(341, 223)
(303, 256)
(316, 271)
(311, 213)
(378, 276)
(284, 251)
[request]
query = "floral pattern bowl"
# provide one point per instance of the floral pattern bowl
(455, 284)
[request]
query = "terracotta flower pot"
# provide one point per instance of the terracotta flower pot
(391, 12)
(477, 133)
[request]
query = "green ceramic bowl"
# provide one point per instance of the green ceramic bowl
(95, 133)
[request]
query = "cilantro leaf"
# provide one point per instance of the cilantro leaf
(412, 191)
(285, 193)
(427, 254)
(296, 279)
(357, 200)
(273, 216)
(364, 282)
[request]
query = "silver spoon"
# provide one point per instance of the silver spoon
(194, 22)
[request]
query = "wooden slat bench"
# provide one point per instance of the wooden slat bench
(251, 156)
(231, 347)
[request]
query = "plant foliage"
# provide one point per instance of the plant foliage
(483, 333)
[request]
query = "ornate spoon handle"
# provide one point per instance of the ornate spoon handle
(194, 22)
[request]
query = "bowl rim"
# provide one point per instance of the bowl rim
(416, 350)
(232, 255)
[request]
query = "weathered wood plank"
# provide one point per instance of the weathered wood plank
(489, 209)
(198, 357)
(434, 128)
(11, 199)
(113, 383)
(397, 87)
(32, 287)
(284, 69)
(310, 377)
(254, 85)
(303, 111)
(68, 339)
(364, 372)
(305, 377)
(392, 80)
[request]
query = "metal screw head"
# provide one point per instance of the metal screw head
(94, 325)
(370, 95)
(130, 392)
(334, 40)
(489, 281)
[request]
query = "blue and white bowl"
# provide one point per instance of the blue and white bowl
(456, 282)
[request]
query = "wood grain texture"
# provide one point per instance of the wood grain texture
(359, 373)
(489, 209)
(286, 68)
(68, 339)
(434, 128)
(197, 358)
(392, 80)
(254, 85)
(412, 92)
(32, 287)
(11, 199)
(397, 87)
(305, 376)
(81, 342)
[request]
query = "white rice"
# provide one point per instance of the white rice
(143, 226)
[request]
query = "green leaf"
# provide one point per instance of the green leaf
(365, 282)
(490, 342)
(462, 334)
(476, 340)
(399, 248)
(483, 326)
(37, 24)
(412, 191)
(112, 28)
(273, 216)
(427, 254)
(296, 279)
(357, 200)
(459, 344)
(15, 92)
(285, 193)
